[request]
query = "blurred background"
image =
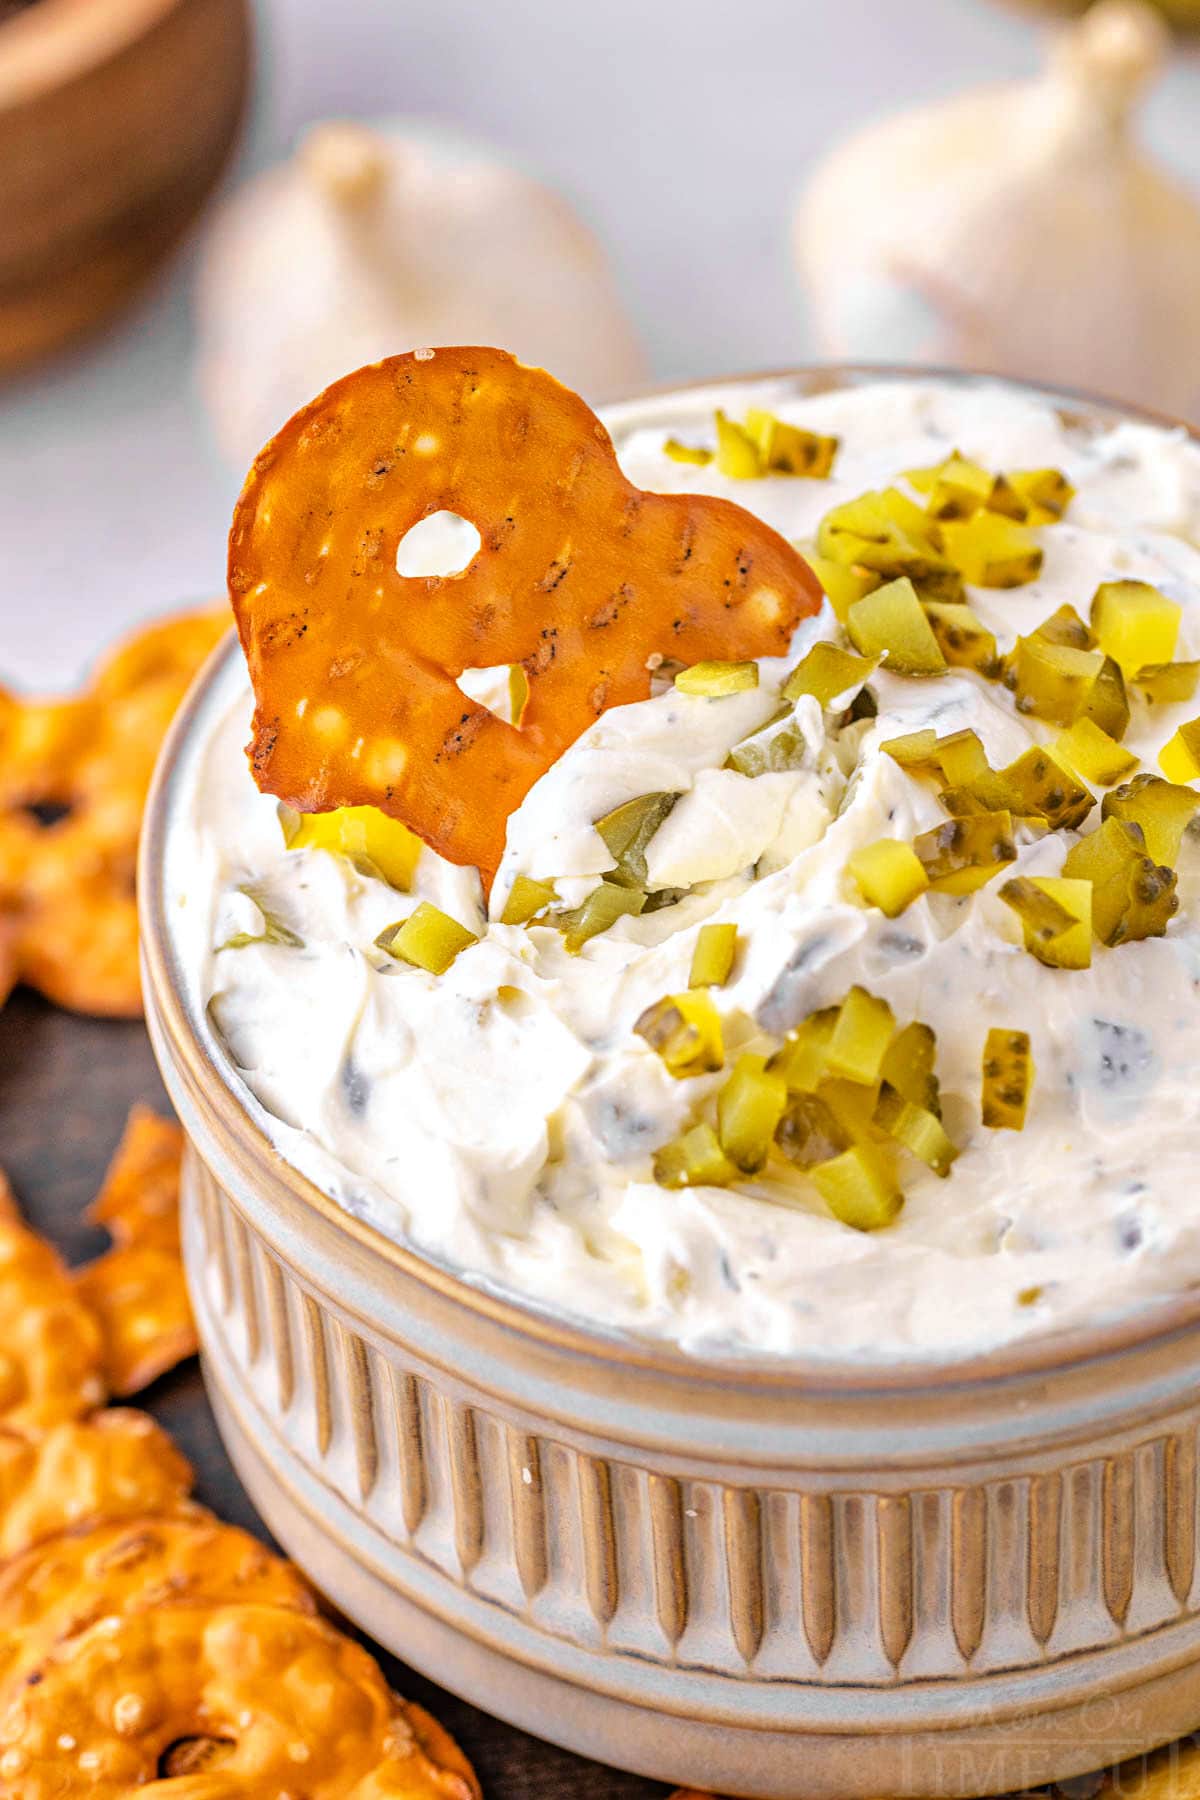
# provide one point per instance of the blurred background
(696, 224)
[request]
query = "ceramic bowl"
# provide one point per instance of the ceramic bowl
(769, 1578)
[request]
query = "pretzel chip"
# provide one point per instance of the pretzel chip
(581, 578)
(137, 1290)
(73, 780)
(56, 1591)
(116, 1465)
(51, 1351)
(250, 1701)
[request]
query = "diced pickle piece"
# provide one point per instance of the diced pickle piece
(1007, 1079)
(918, 1129)
(965, 853)
(963, 762)
(908, 1065)
(1056, 917)
(274, 930)
(1160, 809)
(1064, 626)
(1179, 758)
(1108, 702)
(891, 625)
(959, 489)
(695, 1159)
(628, 829)
(602, 908)
(963, 638)
(1135, 623)
(375, 843)
(864, 1029)
(809, 1133)
(916, 751)
(685, 1029)
(716, 679)
(687, 453)
(1052, 681)
(429, 939)
(852, 1104)
(1095, 755)
(737, 453)
(1040, 784)
(1132, 897)
(789, 449)
(526, 899)
(1167, 684)
(826, 672)
(991, 551)
(843, 584)
(888, 533)
(749, 1107)
(859, 1188)
(800, 1059)
(712, 959)
(1045, 494)
(890, 875)
(770, 751)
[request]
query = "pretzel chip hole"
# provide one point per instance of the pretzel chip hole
(48, 812)
(441, 544)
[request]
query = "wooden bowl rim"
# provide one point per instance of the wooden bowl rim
(54, 42)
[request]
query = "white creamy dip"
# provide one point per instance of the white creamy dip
(502, 1117)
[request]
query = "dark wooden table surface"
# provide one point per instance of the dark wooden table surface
(66, 1085)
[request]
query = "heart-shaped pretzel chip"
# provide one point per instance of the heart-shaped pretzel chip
(582, 579)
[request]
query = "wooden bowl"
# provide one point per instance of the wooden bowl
(115, 119)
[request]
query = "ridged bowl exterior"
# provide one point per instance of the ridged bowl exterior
(772, 1579)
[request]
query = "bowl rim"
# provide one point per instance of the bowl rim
(54, 43)
(1151, 1325)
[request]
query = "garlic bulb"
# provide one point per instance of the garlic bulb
(374, 240)
(1017, 229)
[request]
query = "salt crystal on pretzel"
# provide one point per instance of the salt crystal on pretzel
(580, 578)
(262, 1701)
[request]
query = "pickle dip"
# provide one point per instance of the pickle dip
(764, 1044)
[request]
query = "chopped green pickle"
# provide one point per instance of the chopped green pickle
(800, 1059)
(808, 1132)
(429, 939)
(864, 1029)
(1167, 684)
(712, 959)
(274, 930)
(1162, 810)
(963, 762)
(1135, 624)
(686, 453)
(1095, 755)
(716, 679)
(1056, 917)
(890, 625)
(1108, 702)
(375, 843)
(909, 1066)
(1064, 626)
(1040, 785)
(611, 901)
(965, 853)
(826, 673)
(1179, 758)
(1132, 897)
(1007, 1079)
(889, 874)
(991, 551)
(887, 533)
(916, 750)
(628, 829)
(526, 899)
(843, 584)
(1044, 493)
(859, 1188)
(1052, 681)
(963, 639)
(788, 449)
(958, 489)
(694, 1159)
(917, 1128)
(685, 1030)
(737, 453)
(749, 1107)
(772, 750)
